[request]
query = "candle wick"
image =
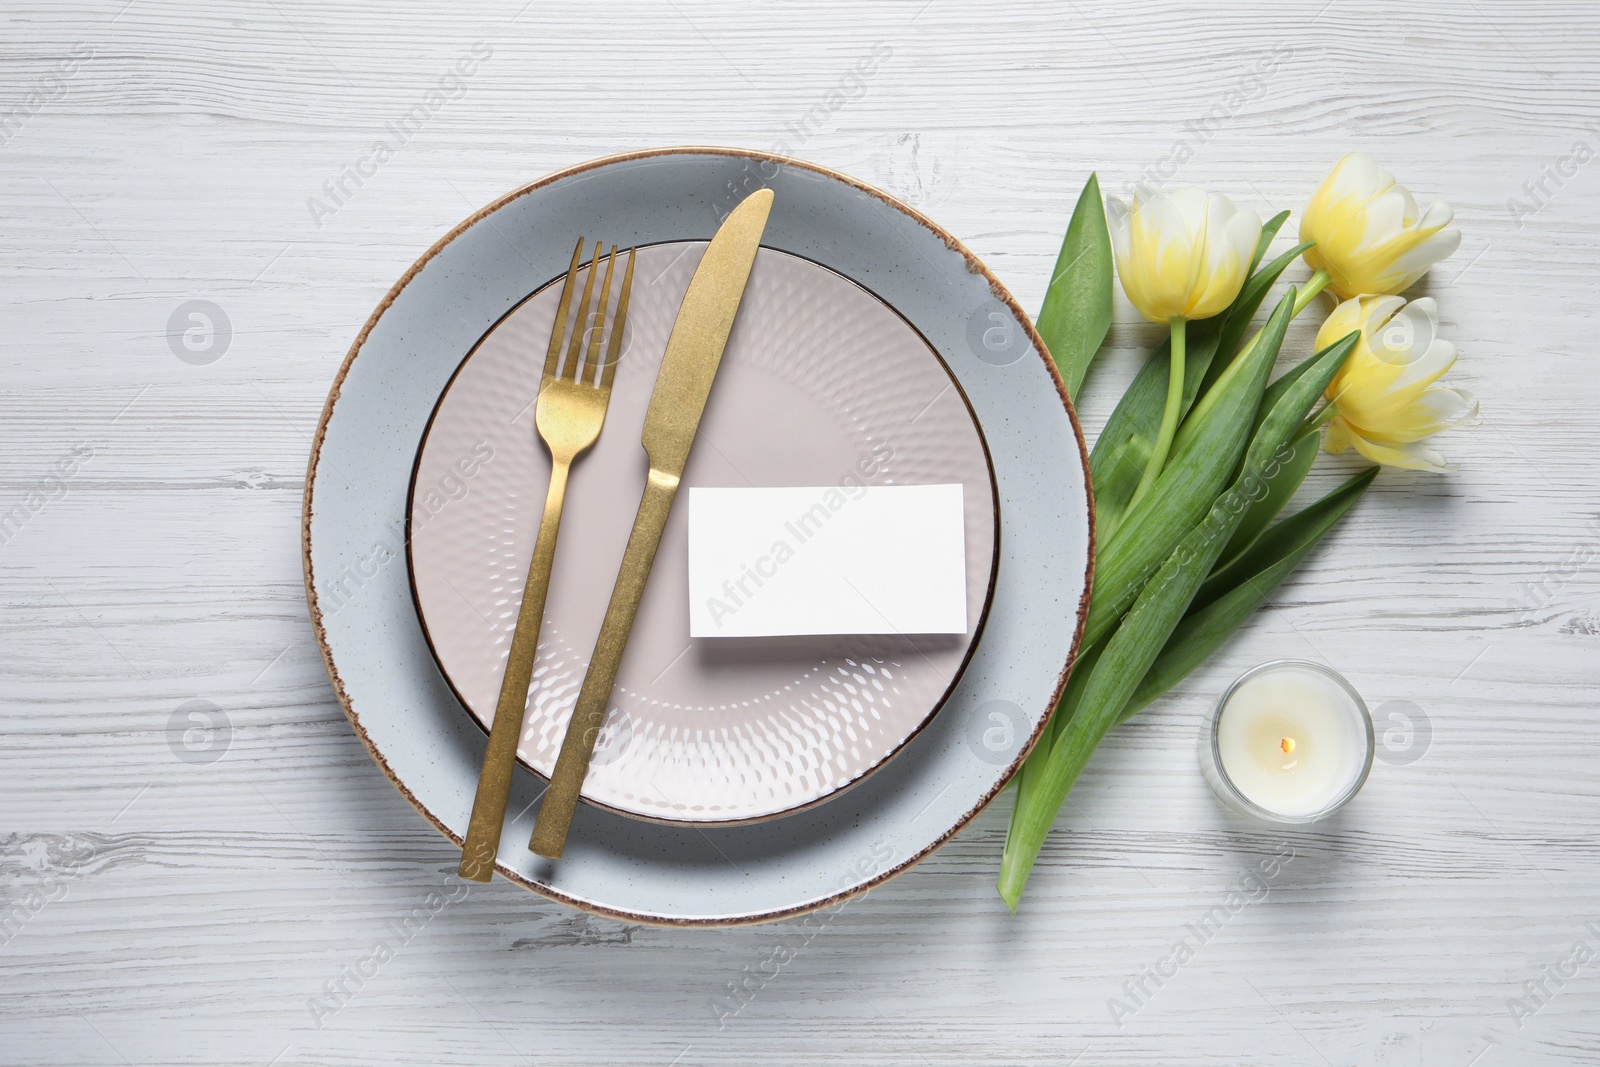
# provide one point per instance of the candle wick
(1287, 745)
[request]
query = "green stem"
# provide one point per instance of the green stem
(1302, 299)
(1314, 285)
(1169, 417)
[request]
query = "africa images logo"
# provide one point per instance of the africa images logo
(452, 85)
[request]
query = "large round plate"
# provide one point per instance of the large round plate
(402, 708)
(821, 385)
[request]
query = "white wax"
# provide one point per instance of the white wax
(1292, 741)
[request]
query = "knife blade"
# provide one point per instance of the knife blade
(694, 352)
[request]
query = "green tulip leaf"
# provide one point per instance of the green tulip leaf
(1281, 485)
(1230, 597)
(1269, 230)
(1237, 318)
(1137, 638)
(1076, 313)
(1205, 457)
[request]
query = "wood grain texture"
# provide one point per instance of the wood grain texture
(172, 911)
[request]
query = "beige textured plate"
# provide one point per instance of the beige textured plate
(698, 874)
(821, 384)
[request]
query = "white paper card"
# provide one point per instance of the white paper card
(887, 559)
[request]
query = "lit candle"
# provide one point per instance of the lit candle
(1289, 741)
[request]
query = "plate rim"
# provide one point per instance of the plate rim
(975, 266)
(902, 743)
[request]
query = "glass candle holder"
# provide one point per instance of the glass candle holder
(1288, 742)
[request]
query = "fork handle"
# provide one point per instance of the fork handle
(594, 698)
(499, 760)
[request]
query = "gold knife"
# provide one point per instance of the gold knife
(694, 351)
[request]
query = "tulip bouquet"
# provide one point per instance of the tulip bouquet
(1200, 457)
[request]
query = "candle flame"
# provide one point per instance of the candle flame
(1287, 745)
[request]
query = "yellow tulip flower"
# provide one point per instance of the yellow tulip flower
(1369, 235)
(1384, 401)
(1182, 254)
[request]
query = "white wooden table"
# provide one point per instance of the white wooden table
(173, 897)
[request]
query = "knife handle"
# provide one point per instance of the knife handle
(577, 747)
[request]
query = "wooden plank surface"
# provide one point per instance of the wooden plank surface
(177, 911)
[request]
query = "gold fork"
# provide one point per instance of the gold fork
(571, 410)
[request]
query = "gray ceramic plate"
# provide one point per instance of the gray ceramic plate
(821, 385)
(403, 709)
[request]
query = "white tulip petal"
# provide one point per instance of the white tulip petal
(1231, 236)
(1220, 213)
(1158, 215)
(1408, 335)
(1191, 206)
(1340, 321)
(1119, 222)
(1356, 175)
(1413, 264)
(1427, 308)
(1226, 268)
(1450, 407)
(1238, 243)
(1412, 455)
(1411, 211)
(1438, 216)
(1378, 310)
(1427, 365)
(1385, 216)
(1195, 208)
(1220, 209)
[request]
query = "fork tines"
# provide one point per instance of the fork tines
(582, 361)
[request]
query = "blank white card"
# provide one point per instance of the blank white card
(887, 559)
